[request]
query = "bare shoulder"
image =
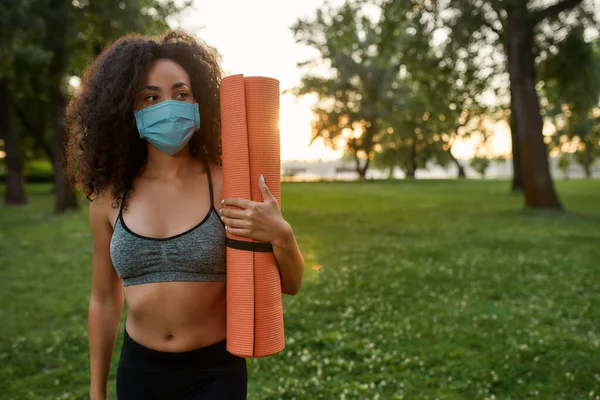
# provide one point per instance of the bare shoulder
(102, 209)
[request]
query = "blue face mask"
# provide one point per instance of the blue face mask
(168, 125)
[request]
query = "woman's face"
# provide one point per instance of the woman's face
(166, 80)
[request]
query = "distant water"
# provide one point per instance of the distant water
(316, 170)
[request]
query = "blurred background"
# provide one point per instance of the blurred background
(370, 89)
(438, 167)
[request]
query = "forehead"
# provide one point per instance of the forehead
(165, 72)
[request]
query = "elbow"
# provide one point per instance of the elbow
(292, 288)
(107, 297)
(291, 277)
(291, 291)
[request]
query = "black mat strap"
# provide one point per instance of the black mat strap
(250, 246)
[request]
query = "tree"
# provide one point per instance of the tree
(14, 48)
(66, 36)
(61, 17)
(15, 187)
(449, 79)
(408, 144)
(351, 100)
(564, 163)
(571, 102)
(386, 90)
(480, 165)
(521, 30)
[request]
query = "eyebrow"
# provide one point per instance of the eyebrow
(156, 88)
(178, 85)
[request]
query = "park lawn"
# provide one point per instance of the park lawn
(427, 290)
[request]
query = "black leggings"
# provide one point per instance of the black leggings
(209, 372)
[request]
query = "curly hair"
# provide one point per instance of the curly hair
(104, 147)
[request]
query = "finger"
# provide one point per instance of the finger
(233, 213)
(239, 202)
(236, 223)
(238, 231)
(264, 189)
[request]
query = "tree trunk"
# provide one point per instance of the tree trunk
(368, 149)
(361, 171)
(411, 171)
(64, 192)
(517, 181)
(368, 144)
(587, 158)
(533, 155)
(15, 185)
(461, 169)
(391, 172)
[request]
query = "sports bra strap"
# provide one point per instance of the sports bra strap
(121, 207)
(209, 185)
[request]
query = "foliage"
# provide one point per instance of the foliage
(448, 82)
(494, 29)
(352, 98)
(573, 101)
(39, 34)
(480, 165)
(564, 163)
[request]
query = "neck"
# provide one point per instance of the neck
(165, 167)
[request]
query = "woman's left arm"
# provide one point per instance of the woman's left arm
(263, 221)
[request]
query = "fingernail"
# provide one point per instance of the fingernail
(222, 218)
(221, 211)
(262, 179)
(225, 227)
(223, 201)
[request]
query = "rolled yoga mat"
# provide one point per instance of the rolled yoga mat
(250, 147)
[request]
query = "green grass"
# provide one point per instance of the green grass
(428, 290)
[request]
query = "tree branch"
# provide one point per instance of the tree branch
(554, 10)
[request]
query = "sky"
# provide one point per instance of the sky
(254, 38)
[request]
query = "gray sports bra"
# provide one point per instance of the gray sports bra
(197, 254)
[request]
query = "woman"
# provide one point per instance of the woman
(145, 149)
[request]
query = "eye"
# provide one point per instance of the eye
(181, 95)
(152, 97)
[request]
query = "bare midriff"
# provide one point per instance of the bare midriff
(176, 316)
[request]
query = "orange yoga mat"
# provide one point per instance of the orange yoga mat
(250, 147)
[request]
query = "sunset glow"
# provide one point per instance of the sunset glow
(256, 41)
